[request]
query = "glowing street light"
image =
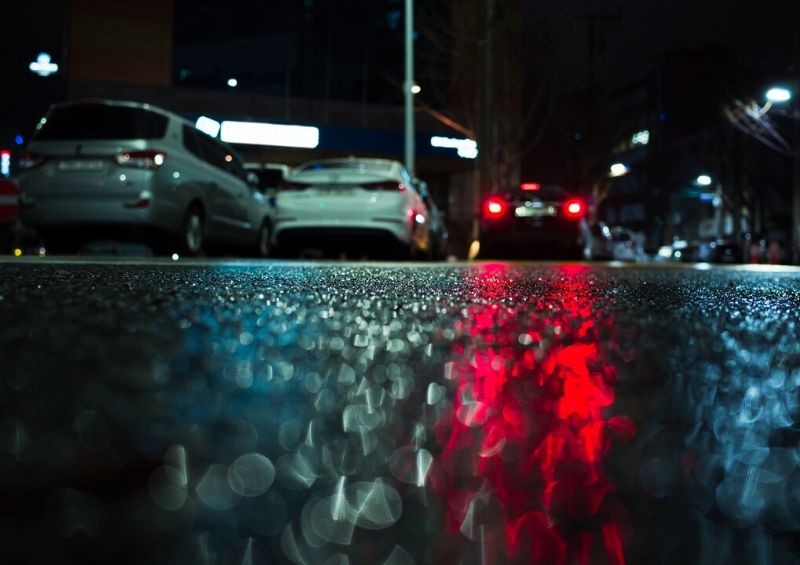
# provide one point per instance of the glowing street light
(233, 83)
(619, 169)
(779, 94)
(416, 89)
(704, 180)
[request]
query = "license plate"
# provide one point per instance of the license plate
(534, 211)
(336, 191)
(81, 165)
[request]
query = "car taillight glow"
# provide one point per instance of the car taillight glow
(30, 160)
(149, 159)
(494, 208)
(530, 186)
(574, 208)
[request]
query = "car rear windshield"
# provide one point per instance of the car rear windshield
(101, 121)
(355, 166)
(546, 192)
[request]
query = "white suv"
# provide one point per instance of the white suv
(104, 168)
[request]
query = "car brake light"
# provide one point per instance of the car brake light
(149, 159)
(574, 208)
(494, 207)
(384, 185)
(530, 186)
(30, 160)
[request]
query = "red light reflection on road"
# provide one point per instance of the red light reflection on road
(530, 416)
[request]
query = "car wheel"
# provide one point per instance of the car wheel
(193, 232)
(263, 243)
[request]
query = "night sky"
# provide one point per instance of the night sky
(763, 33)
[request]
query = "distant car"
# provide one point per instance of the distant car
(719, 251)
(112, 169)
(627, 245)
(602, 242)
(678, 250)
(366, 204)
(534, 220)
(438, 224)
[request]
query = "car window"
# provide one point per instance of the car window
(213, 152)
(192, 142)
(101, 121)
(234, 165)
(358, 166)
(546, 192)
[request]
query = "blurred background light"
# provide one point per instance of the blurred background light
(619, 169)
(704, 180)
(5, 163)
(207, 125)
(641, 137)
(278, 135)
(466, 148)
(233, 83)
(43, 66)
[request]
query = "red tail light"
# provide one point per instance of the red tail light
(574, 208)
(530, 186)
(150, 159)
(495, 208)
(30, 160)
(384, 185)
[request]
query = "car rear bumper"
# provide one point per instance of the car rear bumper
(87, 214)
(551, 242)
(292, 231)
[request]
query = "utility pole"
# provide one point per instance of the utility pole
(794, 235)
(407, 87)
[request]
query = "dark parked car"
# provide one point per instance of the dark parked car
(437, 224)
(534, 220)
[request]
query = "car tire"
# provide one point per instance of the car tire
(193, 231)
(263, 247)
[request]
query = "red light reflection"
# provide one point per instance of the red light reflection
(531, 418)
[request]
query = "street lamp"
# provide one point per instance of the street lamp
(408, 87)
(781, 95)
(703, 180)
(778, 94)
(618, 170)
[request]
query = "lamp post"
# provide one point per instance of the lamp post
(408, 88)
(781, 95)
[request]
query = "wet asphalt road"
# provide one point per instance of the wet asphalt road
(354, 413)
